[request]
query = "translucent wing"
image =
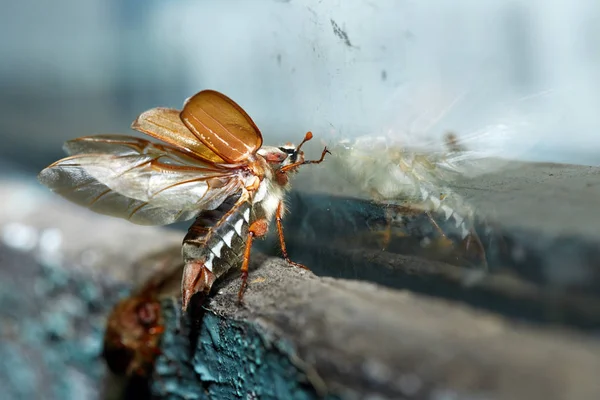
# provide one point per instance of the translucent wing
(82, 189)
(222, 125)
(410, 150)
(411, 144)
(405, 165)
(165, 124)
(135, 179)
(375, 169)
(485, 125)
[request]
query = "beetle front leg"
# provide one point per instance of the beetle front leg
(256, 230)
(278, 218)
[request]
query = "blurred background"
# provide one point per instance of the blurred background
(338, 68)
(522, 77)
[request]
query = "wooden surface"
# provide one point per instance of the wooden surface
(361, 340)
(297, 336)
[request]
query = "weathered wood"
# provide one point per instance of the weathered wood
(298, 336)
(359, 340)
(501, 293)
(540, 236)
(62, 269)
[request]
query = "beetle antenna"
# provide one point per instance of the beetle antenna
(294, 165)
(307, 137)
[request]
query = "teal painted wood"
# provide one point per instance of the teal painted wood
(229, 360)
(52, 324)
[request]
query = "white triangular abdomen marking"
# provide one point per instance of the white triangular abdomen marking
(465, 231)
(447, 210)
(217, 249)
(238, 227)
(459, 220)
(436, 202)
(227, 238)
(209, 263)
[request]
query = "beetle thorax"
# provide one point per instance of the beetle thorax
(269, 194)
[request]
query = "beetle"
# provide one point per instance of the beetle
(212, 167)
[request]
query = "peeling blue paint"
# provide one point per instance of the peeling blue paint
(213, 331)
(232, 360)
(52, 329)
(174, 375)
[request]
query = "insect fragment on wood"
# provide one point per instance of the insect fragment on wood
(136, 324)
(211, 167)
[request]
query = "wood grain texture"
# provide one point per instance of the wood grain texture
(356, 339)
(297, 336)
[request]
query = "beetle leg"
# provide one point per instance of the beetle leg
(444, 241)
(278, 218)
(472, 245)
(387, 234)
(196, 278)
(257, 229)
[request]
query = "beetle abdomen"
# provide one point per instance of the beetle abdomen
(217, 237)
